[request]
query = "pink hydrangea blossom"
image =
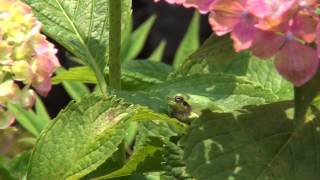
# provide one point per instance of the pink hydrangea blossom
(270, 13)
(232, 16)
(25, 56)
(284, 30)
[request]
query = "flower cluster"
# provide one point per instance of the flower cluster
(286, 30)
(27, 59)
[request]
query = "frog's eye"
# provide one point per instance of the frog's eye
(178, 99)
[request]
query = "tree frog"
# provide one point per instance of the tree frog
(188, 107)
(181, 109)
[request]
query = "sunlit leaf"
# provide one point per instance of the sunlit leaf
(189, 43)
(80, 139)
(81, 27)
(255, 143)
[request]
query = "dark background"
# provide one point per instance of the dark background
(171, 24)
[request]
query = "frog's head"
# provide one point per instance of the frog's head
(177, 103)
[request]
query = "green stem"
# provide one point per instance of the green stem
(101, 81)
(115, 44)
(115, 61)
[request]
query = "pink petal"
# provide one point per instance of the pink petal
(173, 1)
(297, 62)
(225, 15)
(46, 64)
(43, 86)
(46, 60)
(266, 44)
(202, 5)
(307, 3)
(243, 34)
(269, 8)
(318, 39)
(304, 26)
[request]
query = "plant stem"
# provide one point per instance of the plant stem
(115, 61)
(115, 44)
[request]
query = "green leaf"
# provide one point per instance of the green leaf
(213, 49)
(82, 74)
(189, 43)
(262, 72)
(148, 150)
(81, 138)
(136, 75)
(76, 90)
(148, 153)
(217, 56)
(225, 91)
(144, 99)
(81, 27)
(19, 165)
(145, 114)
(41, 112)
(174, 164)
(131, 135)
(33, 121)
(157, 54)
(5, 174)
(255, 143)
(27, 119)
(136, 41)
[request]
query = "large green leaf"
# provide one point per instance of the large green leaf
(226, 91)
(148, 150)
(136, 75)
(87, 134)
(217, 56)
(256, 143)
(261, 72)
(157, 104)
(80, 139)
(174, 164)
(145, 158)
(189, 43)
(142, 74)
(213, 49)
(81, 27)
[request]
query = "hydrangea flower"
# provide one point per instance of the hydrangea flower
(27, 59)
(233, 16)
(285, 30)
